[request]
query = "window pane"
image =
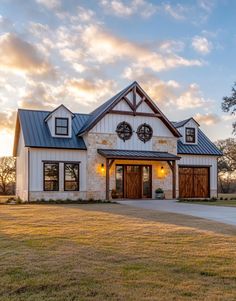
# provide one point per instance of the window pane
(190, 135)
(119, 180)
(61, 131)
(71, 176)
(51, 175)
(61, 122)
(71, 185)
(146, 182)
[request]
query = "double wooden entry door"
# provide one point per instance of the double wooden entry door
(134, 181)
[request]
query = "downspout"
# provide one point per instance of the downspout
(28, 192)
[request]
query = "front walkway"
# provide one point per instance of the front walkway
(221, 214)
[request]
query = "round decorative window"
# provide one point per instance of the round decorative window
(124, 130)
(144, 132)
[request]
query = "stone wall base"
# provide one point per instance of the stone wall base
(57, 195)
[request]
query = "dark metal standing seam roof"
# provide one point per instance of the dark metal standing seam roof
(128, 154)
(96, 113)
(37, 134)
(203, 147)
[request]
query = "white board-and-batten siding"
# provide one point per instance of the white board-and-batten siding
(108, 125)
(22, 169)
(201, 160)
(39, 156)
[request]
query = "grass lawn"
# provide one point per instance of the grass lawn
(229, 200)
(113, 252)
(227, 203)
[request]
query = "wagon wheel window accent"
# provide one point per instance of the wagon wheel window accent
(144, 132)
(124, 130)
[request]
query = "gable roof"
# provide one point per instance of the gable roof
(203, 147)
(37, 134)
(179, 124)
(51, 113)
(102, 110)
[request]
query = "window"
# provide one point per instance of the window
(147, 188)
(144, 132)
(61, 126)
(190, 135)
(120, 180)
(51, 176)
(71, 176)
(124, 130)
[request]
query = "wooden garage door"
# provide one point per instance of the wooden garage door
(194, 182)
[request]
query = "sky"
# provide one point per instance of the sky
(80, 53)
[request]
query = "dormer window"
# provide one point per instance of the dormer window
(190, 135)
(61, 126)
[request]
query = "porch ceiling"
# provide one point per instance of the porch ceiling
(137, 155)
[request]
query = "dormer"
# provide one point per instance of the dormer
(59, 122)
(189, 130)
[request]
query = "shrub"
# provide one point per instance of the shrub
(159, 190)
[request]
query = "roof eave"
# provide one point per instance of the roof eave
(50, 114)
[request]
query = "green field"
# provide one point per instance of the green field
(113, 252)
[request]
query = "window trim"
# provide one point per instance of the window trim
(64, 127)
(194, 135)
(58, 174)
(78, 182)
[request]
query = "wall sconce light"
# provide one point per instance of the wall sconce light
(162, 169)
(102, 167)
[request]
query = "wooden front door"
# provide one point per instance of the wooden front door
(133, 181)
(194, 182)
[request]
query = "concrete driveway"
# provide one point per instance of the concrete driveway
(225, 215)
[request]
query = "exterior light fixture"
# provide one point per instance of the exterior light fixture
(162, 169)
(102, 167)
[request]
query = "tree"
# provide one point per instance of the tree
(7, 175)
(229, 105)
(227, 164)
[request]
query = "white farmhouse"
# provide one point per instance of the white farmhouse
(126, 147)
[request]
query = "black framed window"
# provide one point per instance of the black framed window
(190, 135)
(61, 126)
(71, 176)
(51, 176)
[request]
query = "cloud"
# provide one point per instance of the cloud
(178, 12)
(50, 4)
(191, 98)
(168, 93)
(84, 14)
(206, 5)
(20, 56)
(123, 9)
(7, 121)
(6, 24)
(208, 119)
(163, 92)
(90, 91)
(201, 45)
(106, 48)
(37, 96)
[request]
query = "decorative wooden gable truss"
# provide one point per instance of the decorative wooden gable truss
(131, 101)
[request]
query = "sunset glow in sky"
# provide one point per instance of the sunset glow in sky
(80, 53)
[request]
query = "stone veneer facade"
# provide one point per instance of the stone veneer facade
(96, 178)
